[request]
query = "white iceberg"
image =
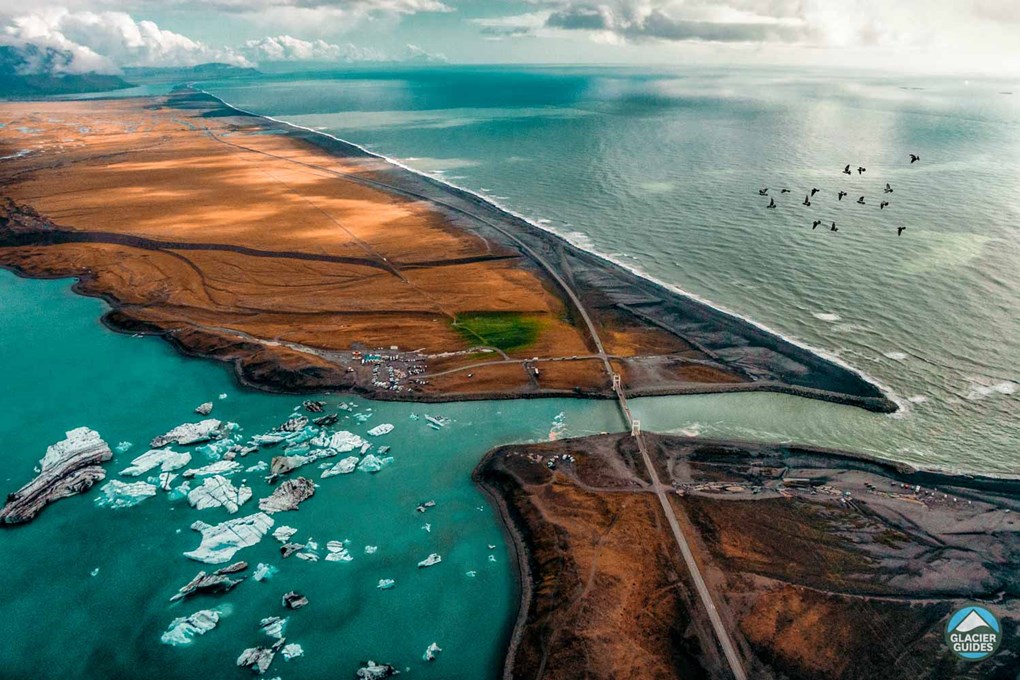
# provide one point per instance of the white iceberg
(218, 491)
(191, 433)
(220, 467)
(434, 558)
(118, 494)
(221, 541)
(343, 467)
(340, 442)
(260, 466)
(264, 572)
(337, 552)
(372, 463)
(430, 652)
(123, 447)
(386, 583)
(273, 626)
(370, 549)
(292, 651)
(284, 533)
(165, 459)
(183, 630)
(381, 429)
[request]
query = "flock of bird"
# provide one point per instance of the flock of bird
(839, 196)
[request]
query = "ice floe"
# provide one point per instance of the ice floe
(292, 651)
(204, 409)
(165, 459)
(220, 467)
(288, 496)
(221, 541)
(342, 467)
(386, 584)
(340, 442)
(123, 447)
(372, 463)
(217, 582)
(375, 671)
(294, 600)
(273, 626)
(371, 549)
(337, 552)
(192, 433)
(283, 533)
(264, 572)
(183, 630)
(381, 429)
(432, 559)
(218, 491)
(118, 494)
(430, 652)
(259, 659)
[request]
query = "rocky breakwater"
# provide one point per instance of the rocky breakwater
(70, 467)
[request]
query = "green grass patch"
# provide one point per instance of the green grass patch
(506, 330)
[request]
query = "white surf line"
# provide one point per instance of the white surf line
(887, 391)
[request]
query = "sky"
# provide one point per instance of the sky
(979, 37)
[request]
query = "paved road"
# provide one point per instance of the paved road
(732, 658)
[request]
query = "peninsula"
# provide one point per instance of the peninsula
(312, 265)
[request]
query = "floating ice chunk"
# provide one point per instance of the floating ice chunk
(259, 659)
(220, 467)
(341, 442)
(180, 492)
(94, 572)
(288, 496)
(166, 479)
(260, 466)
(183, 630)
(370, 549)
(471, 574)
(284, 533)
(204, 409)
(118, 494)
(273, 626)
(422, 507)
(221, 541)
(217, 491)
(165, 459)
(292, 651)
(193, 433)
(371, 463)
(362, 417)
(337, 552)
(264, 572)
(430, 652)
(434, 558)
(427, 527)
(380, 430)
(386, 583)
(343, 467)
(375, 671)
(223, 395)
(492, 558)
(123, 447)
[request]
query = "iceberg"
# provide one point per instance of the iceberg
(118, 494)
(295, 424)
(71, 466)
(294, 600)
(343, 467)
(337, 552)
(372, 463)
(284, 533)
(263, 571)
(273, 626)
(292, 651)
(204, 409)
(165, 459)
(183, 630)
(217, 491)
(259, 659)
(386, 583)
(260, 466)
(221, 541)
(430, 652)
(370, 549)
(375, 671)
(434, 558)
(123, 447)
(341, 442)
(380, 430)
(192, 433)
(220, 467)
(288, 496)
(217, 582)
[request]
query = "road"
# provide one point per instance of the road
(729, 650)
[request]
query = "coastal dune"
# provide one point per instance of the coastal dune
(292, 255)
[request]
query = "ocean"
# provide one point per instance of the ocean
(658, 170)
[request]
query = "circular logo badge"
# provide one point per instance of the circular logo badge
(973, 633)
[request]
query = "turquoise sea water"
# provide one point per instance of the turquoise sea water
(63, 370)
(660, 170)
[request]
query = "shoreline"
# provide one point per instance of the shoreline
(886, 391)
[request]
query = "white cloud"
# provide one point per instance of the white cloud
(289, 48)
(105, 41)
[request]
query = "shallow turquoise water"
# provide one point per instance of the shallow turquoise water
(660, 170)
(64, 370)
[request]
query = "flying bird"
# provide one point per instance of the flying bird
(772, 203)
(807, 200)
(883, 204)
(861, 200)
(815, 191)
(763, 192)
(833, 227)
(860, 170)
(899, 230)
(888, 189)
(846, 170)
(816, 223)
(913, 159)
(841, 195)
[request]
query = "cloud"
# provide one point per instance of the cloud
(105, 41)
(289, 48)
